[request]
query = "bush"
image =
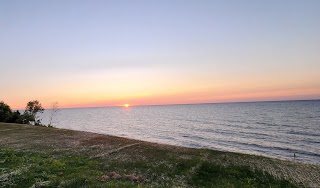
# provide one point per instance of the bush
(29, 115)
(32, 109)
(5, 112)
(15, 117)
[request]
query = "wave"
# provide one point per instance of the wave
(303, 133)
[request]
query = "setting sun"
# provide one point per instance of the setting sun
(126, 105)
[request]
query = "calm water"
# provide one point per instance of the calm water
(275, 129)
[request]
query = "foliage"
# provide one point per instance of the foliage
(5, 112)
(32, 109)
(15, 117)
(26, 118)
(30, 114)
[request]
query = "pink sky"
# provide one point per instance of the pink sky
(106, 53)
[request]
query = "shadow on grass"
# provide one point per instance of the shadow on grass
(211, 175)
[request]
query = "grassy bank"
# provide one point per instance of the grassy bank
(33, 156)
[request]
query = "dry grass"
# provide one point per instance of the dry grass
(145, 159)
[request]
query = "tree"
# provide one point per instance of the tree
(54, 111)
(31, 111)
(5, 112)
(15, 117)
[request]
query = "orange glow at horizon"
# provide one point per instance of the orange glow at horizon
(152, 88)
(214, 95)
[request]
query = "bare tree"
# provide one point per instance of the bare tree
(54, 111)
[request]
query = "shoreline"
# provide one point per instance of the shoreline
(287, 158)
(172, 145)
(123, 153)
(201, 148)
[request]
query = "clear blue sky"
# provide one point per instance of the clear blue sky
(147, 51)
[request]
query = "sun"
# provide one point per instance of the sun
(126, 105)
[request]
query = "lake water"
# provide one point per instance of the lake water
(274, 129)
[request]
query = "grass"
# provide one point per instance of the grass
(44, 157)
(234, 176)
(25, 169)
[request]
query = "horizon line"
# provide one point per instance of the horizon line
(191, 103)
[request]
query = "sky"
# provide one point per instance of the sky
(142, 52)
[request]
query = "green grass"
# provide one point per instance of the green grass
(23, 169)
(26, 169)
(210, 175)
